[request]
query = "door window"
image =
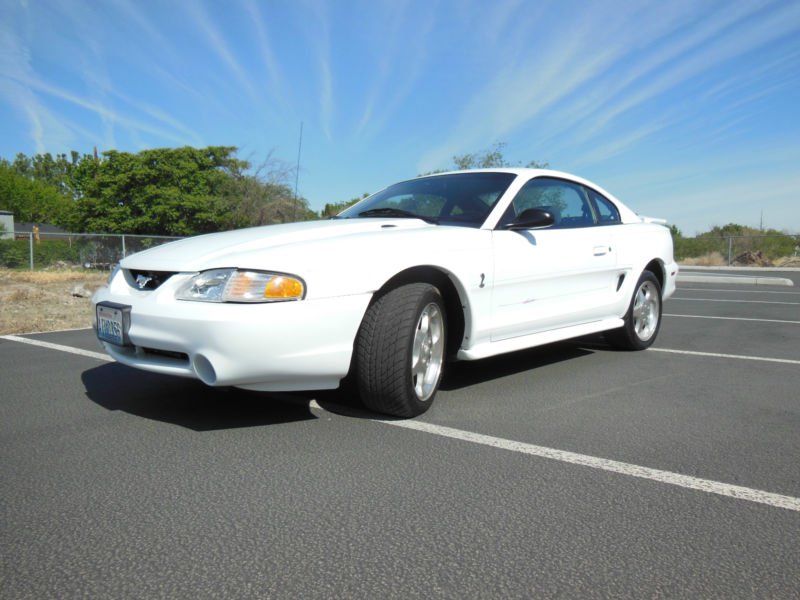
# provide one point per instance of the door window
(567, 202)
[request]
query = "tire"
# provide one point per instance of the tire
(400, 350)
(643, 319)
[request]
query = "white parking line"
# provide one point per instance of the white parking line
(676, 479)
(733, 318)
(787, 361)
(667, 477)
(733, 301)
(59, 347)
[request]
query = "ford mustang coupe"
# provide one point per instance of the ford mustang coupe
(460, 265)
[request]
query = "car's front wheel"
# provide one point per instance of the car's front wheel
(400, 350)
(643, 319)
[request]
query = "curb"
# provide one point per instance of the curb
(742, 269)
(735, 279)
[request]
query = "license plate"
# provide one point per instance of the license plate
(113, 322)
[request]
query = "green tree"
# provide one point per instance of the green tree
(30, 200)
(492, 158)
(174, 191)
(333, 209)
(169, 191)
(489, 158)
(733, 239)
(44, 168)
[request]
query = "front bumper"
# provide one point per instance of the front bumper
(282, 346)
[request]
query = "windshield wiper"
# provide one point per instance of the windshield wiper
(394, 212)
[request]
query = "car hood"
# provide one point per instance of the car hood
(243, 247)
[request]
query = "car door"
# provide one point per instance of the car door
(562, 275)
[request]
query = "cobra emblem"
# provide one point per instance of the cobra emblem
(142, 281)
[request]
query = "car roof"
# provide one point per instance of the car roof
(524, 171)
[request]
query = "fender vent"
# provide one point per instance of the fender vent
(620, 280)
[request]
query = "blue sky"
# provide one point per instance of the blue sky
(687, 110)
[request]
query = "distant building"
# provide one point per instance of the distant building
(6, 225)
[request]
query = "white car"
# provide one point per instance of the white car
(460, 265)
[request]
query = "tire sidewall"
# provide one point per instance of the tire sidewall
(430, 296)
(636, 342)
(384, 350)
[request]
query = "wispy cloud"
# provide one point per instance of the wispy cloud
(275, 77)
(621, 143)
(170, 65)
(326, 99)
(749, 34)
(37, 98)
(98, 83)
(400, 53)
(584, 82)
(697, 194)
(26, 104)
(15, 62)
(100, 110)
(562, 62)
(319, 36)
(222, 49)
(98, 80)
(769, 77)
(131, 12)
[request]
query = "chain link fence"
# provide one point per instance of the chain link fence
(740, 250)
(35, 251)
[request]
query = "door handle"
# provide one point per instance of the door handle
(601, 250)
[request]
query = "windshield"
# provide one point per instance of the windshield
(464, 199)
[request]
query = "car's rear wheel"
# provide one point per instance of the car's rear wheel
(400, 350)
(643, 319)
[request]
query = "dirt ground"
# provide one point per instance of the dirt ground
(46, 300)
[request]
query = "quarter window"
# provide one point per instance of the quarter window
(607, 213)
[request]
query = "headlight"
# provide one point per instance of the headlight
(232, 285)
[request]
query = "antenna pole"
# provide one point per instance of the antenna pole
(297, 170)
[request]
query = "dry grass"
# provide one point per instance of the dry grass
(44, 301)
(788, 261)
(713, 259)
(44, 277)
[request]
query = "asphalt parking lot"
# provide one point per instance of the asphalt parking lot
(565, 471)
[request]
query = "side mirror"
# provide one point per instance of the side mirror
(532, 218)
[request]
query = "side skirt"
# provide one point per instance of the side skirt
(487, 349)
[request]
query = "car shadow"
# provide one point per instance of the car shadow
(458, 375)
(189, 403)
(463, 374)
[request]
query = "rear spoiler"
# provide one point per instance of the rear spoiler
(652, 220)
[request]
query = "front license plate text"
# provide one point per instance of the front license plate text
(112, 323)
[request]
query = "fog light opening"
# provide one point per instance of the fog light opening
(205, 371)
